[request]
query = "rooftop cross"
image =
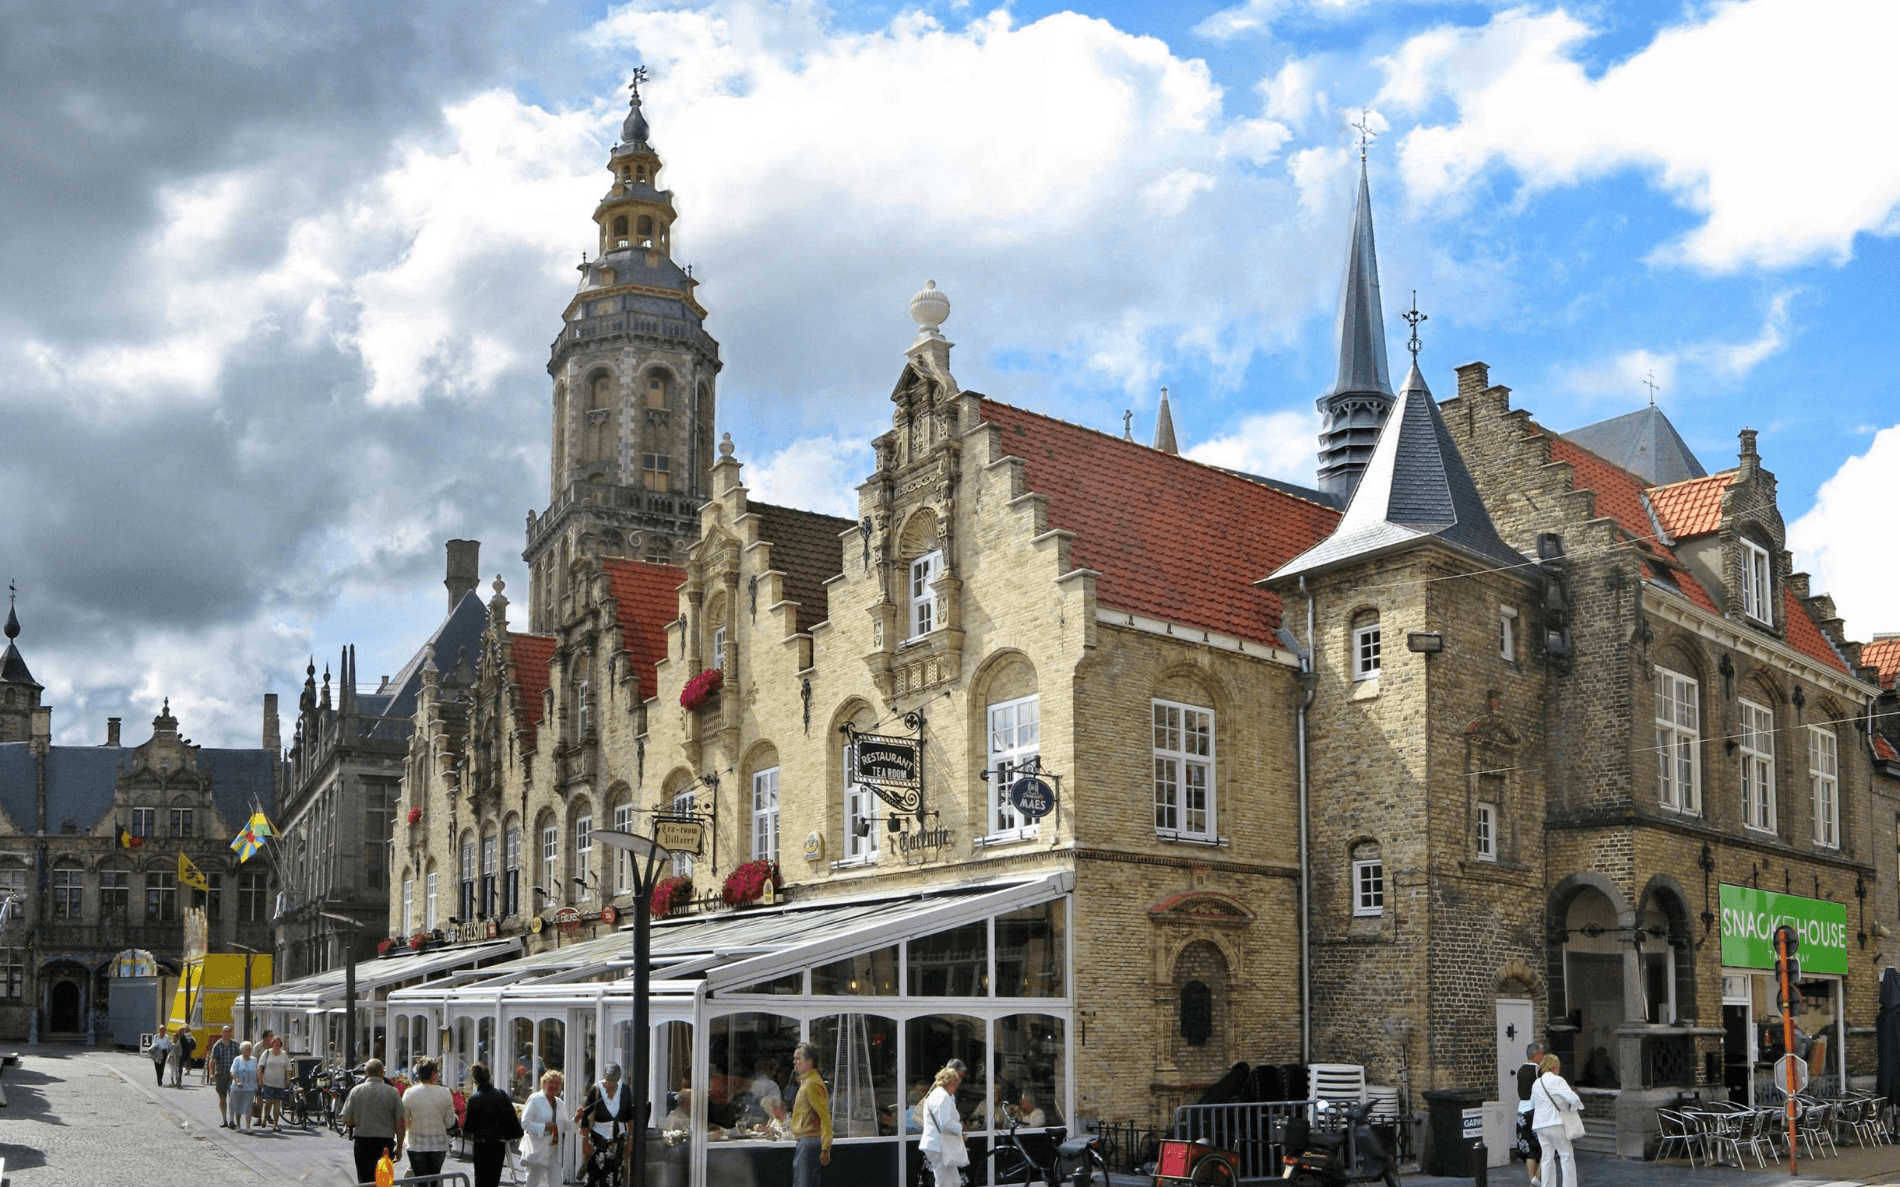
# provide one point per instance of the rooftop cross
(1412, 318)
(1649, 381)
(1128, 423)
(1364, 125)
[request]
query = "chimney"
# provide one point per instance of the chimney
(465, 569)
(112, 731)
(273, 736)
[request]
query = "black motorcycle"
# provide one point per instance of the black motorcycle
(1332, 1158)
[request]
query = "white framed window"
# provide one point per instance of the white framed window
(583, 855)
(511, 871)
(1487, 822)
(719, 649)
(1507, 633)
(583, 692)
(683, 809)
(1678, 742)
(1758, 583)
(924, 615)
(1368, 887)
(765, 815)
(1365, 651)
(1757, 746)
(860, 815)
(1015, 739)
(1824, 782)
(428, 904)
(491, 876)
(1184, 770)
(408, 905)
(551, 867)
(623, 861)
(465, 904)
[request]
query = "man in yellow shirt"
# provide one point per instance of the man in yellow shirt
(811, 1119)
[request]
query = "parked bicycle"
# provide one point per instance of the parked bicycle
(1044, 1157)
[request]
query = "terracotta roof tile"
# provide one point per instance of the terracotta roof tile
(806, 548)
(531, 654)
(1883, 654)
(1804, 636)
(1883, 749)
(1692, 508)
(1619, 492)
(646, 598)
(1172, 538)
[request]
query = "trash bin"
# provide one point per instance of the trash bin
(1457, 1120)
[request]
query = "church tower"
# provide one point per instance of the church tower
(19, 692)
(1354, 409)
(634, 375)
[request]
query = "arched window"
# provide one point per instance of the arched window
(1824, 785)
(659, 390)
(620, 231)
(1013, 714)
(646, 230)
(600, 433)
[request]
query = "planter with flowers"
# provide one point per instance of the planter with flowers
(419, 941)
(670, 894)
(383, 947)
(746, 884)
(701, 689)
(415, 816)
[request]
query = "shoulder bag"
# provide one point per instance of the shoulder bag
(1572, 1119)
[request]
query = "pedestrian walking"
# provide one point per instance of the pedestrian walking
(1553, 1100)
(183, 1045)
(543, 1124)
(243, 1088)
(942, 1145)
(273, 1082)
(811, 1119)
(1527, 1073)
(489, 1121)
(428, 1111)
(605, 1119)
(160, 1052)
(218, 1072)
(372, 1112)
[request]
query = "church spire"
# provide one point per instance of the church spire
(1164, 427)
(1361, 397)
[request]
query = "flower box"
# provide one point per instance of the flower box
(419, 941)
(702, 688)
(670, 894)
(415, 816)
(383, 946)
(746, 884)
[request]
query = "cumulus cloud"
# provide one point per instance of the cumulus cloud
(815, 473)
(1837, 540)
(1689, 367)
(1273, 445)
(1780, 174)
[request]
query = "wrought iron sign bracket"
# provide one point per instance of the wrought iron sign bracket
(891, 765)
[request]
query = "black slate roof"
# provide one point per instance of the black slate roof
(459, 637)
(1644, 443)
(80, 781)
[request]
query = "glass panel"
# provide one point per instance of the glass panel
(1029, 1070)
(869, 973)
(551, 1050)
(953, 963)
(1816, 1035)
(455, 1075)
(669, 1159)
(933, 1041)
(857, 1056)
(521, 1074)
(584, 1020)
(485, 1046)
(792, 983)
(1031, 952)
(749, 1055)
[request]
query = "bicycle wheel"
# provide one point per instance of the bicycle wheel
(1215, 1172)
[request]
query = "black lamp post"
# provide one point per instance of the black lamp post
(349, 985)
(250, 954)
(644, 855)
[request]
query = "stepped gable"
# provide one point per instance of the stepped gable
(1692, 508)
(806, 547)
(1624, 498)
(646, 599)
(1172, 538)
(532, 655)
(1644, 443)
(1805, 636)
(1884, 655)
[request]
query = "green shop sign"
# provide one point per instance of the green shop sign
(1749, 920)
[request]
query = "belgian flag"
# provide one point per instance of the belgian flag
(127, 840)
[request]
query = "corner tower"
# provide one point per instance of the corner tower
(634, 375)
(1355, 408)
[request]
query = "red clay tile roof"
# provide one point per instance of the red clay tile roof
(1172, 538)
(806, 548)
(1804, 636)
(1620, 496)
(1883, 654)
(646, 598)
(1883, 749)
(532, 654)
(1692, 508)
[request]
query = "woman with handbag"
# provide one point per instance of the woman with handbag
(490, 1122)
(944, 1152)
(1557, 1121)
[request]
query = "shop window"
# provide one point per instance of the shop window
(1032, 951)
(870, 974)
(931, 1042)
(765, 815)
(550, 1049)
(1757, 583)
(1366, 648)
(1678, 738)
(1032, 1081)
(1184, 771)
(952, 963)
(923, 597)
(1824, 784)
(857, 1053)
(1015, 737)
(1757, 747)
(523, 1075)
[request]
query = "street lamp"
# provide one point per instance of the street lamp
(250, 954)
(349, 985)
(644, 856)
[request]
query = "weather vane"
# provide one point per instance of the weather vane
(1412, 318)
(1128, 422)
(639, 76)
(1649, 381)
(1366, 134)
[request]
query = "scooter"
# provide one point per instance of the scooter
(1354, 1154)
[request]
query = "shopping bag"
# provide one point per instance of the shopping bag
(1573, 1123)
(385, 1171)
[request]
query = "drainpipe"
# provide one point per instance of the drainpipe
(1308, 679)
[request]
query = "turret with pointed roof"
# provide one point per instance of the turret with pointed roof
(1644, 443)
(1164, 427)
(1359, 401)
(19, 692)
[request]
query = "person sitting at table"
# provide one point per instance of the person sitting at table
(681, 1118)
(1027, 1114)
(777, 1125)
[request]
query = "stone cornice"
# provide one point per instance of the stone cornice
(1194, 634)
(1720, 630)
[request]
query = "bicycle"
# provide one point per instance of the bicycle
(1047, 1159)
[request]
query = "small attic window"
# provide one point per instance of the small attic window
(1757, 583)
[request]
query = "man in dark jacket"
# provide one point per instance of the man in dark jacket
(490, 1122)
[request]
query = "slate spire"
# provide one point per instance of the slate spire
(1164, 427)
(13, 668)
(1355, 407)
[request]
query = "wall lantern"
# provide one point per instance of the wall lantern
(1425, 642)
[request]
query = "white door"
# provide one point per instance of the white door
(1514, 1033)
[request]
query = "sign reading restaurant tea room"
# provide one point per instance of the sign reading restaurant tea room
(1749, 920)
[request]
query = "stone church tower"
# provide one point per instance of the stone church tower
(634, 375)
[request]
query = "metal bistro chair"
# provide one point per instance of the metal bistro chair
(1815, 1128)
(1721, 1135)
(1678, 1131)
(1754, 1135)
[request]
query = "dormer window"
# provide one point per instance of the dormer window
(1757, 583)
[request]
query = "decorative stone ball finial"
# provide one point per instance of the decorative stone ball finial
(930, 309)
(499, 585)
(725, 447)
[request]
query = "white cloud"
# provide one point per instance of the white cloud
(1273, 445)
(1625, 376)
(1736, 359)
(1751, 117)
(814, 473)
(1256, 17)
(1841, 539)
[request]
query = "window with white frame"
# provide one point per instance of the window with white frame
(583, 855)
(765, 815)
(511, 871)
(1507, 633)
(1015, 738)
(683, 810)
(465, 902)
(491, 876)
(408, 904)
(428, 902)
(623, 861)
(923, 596)
(718, 657)
(860, 814)
(1678, 742)
(1757, 747)
(1487, 825)
(551, 866)
(1757, 583)
(1824, 781)
(1368, 887)
(1184, 770)
(1365, 650)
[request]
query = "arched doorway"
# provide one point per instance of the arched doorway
(1589, 947)
(62, 1007)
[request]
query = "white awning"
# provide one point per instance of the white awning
(325, 990)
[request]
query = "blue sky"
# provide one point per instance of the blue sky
(274, 316)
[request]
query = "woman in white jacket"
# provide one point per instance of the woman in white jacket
(1551, 1098)
(942, 1143)
(544, 1121)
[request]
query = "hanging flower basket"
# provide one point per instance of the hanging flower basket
(383, 946)
(746, 884)
(702, 688)
(671, 894)
(415, 816)
(419, 941)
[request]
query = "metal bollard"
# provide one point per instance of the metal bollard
(1481, 1163)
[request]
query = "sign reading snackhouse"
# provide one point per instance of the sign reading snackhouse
(1749, 920)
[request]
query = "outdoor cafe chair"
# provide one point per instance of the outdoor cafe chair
(1721, 1135)
(1814, 1128)
(1678, 1132)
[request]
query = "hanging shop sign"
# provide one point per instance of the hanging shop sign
(1749, 920)
(1031, 797)
(679, 836)
(891, 765)
(608, 915)
(567, 919)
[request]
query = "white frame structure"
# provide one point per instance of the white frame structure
(1011, 743)
(1758, 583)
(1486, 819)
(1824, 785)
(765, 814)
(1678, 742)
(1184, 766)
(923, 613)
(1368, 650)
(1368, 884)
(1756, 749)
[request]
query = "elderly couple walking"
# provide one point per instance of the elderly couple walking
(1553, 1113)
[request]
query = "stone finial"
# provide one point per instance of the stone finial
(929, 309)
(725, 447)
(498, 585)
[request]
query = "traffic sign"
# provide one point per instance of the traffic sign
(1800, 1066)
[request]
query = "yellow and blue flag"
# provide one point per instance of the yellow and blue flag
(256, 830)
